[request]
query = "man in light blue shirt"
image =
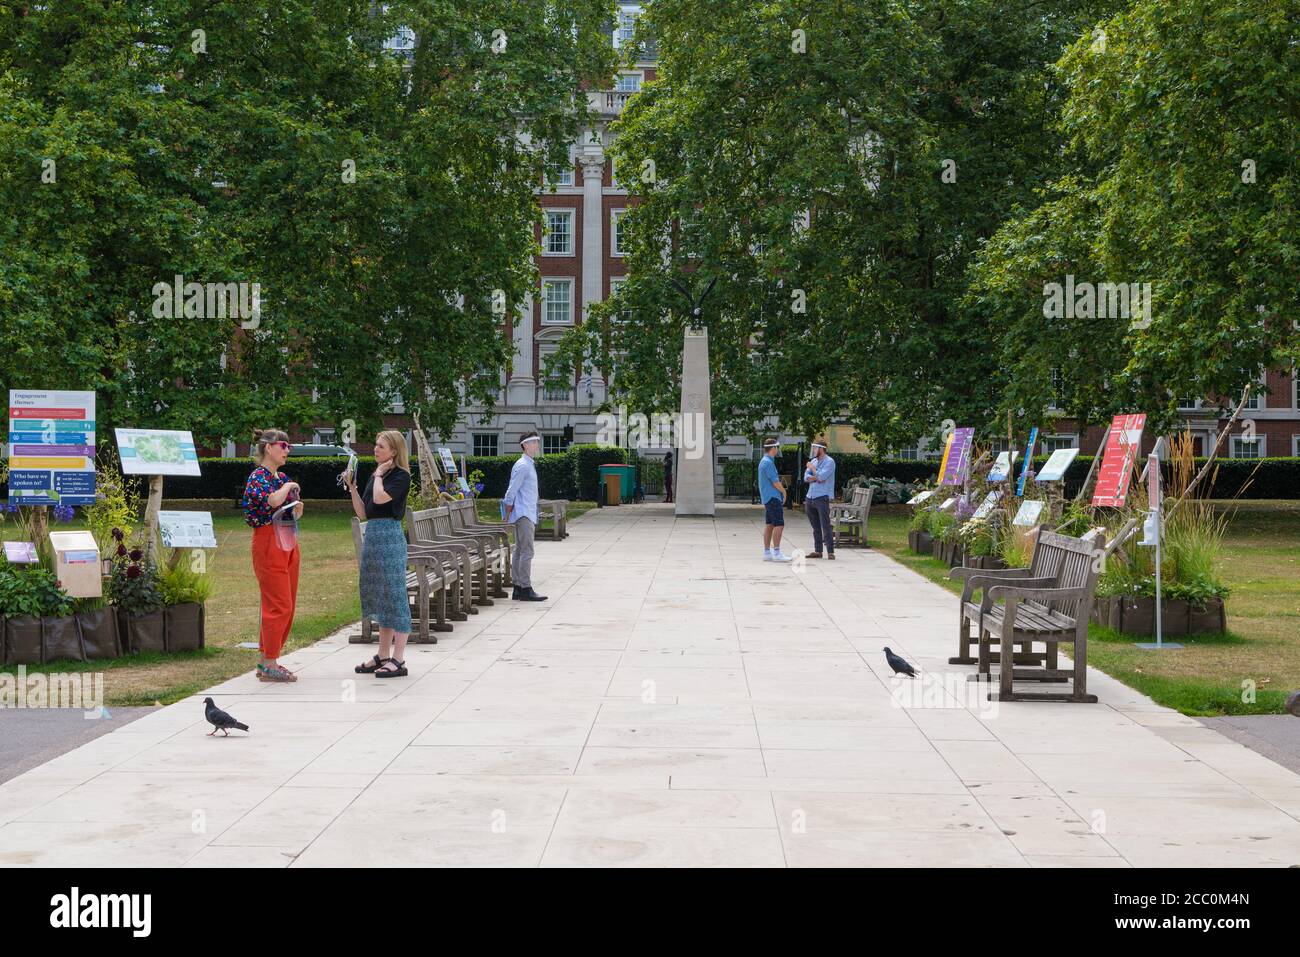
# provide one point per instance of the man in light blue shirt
(820, 476)
(520, 503)
(772, 494)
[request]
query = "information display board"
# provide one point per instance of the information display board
(1029, 512)
(1002, 468)
(157, 452)
(52, 447)
(1057, 463)
(1123, 442)
(955, 467)
(186, 529)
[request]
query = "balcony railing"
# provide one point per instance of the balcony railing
(609, 101)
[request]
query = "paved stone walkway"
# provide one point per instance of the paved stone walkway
(676, 702)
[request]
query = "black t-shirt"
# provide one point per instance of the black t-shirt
(396, 483)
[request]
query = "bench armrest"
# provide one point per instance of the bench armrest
(977, 578)
(1044, 594)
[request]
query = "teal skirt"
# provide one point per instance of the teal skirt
(383, 575)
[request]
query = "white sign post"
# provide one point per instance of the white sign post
(1152, 532)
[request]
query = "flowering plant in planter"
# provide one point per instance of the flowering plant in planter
(977, 536)
(133, 586)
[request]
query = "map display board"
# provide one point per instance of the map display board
(52, 447)
(157, 452)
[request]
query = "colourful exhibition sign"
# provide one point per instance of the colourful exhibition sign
(51, 447)
(956, 457)
(1029, 457)
(1122, 445)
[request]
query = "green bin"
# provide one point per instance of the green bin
(626, 475)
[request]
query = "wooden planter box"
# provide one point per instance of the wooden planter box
(184, 627)
(984, 561)
(171, 629)
(27, 640)
(1137, 616)
(920, 542)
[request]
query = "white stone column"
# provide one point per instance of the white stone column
(593, 248)
(593, 229)
(693, 459)
(522, 388)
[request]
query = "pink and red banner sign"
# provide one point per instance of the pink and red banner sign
(1123, 443)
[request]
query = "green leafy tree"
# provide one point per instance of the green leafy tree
(1183, 127)
(834, 166)
(382, 199)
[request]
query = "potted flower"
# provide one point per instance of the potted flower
(133, 589)
(35, 613)
(979, 545)
(184, 591)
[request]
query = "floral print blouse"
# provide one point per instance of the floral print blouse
(261, 483)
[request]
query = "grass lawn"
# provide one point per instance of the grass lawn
(327, 600)
(1261, 563)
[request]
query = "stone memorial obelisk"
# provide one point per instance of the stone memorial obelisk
(694, 455)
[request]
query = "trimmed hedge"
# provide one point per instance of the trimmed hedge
(574, 474)
(571, 475)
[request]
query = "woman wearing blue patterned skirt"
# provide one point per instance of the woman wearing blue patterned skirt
(381, 505)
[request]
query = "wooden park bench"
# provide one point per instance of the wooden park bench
(558, 511)
(849, 518)
(465, 518)
(431, 572)
(478, 555)
(1048, 602)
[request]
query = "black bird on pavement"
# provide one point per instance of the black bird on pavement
(219, 720)
(900, 666)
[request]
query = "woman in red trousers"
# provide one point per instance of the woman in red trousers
(275, 558)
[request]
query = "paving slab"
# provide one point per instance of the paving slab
(676, 702)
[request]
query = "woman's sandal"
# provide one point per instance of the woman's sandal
(274, 674)
(371, 666)
(398, 672)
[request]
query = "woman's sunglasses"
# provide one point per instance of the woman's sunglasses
(281, 445)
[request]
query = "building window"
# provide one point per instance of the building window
(559, 232)
(1295, 445)
(628, 83)
(1255, 403)
(625, 29)
(565, 177)
(616, 232)
(322, 437)
(557, 302)
(1051, 443)
(1241, 447)
(485, 443)
(1054, 403)
(1188, 405)
(553, 443)
(906, 454)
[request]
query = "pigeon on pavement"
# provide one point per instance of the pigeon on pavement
(899, 665)
(219, 720)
